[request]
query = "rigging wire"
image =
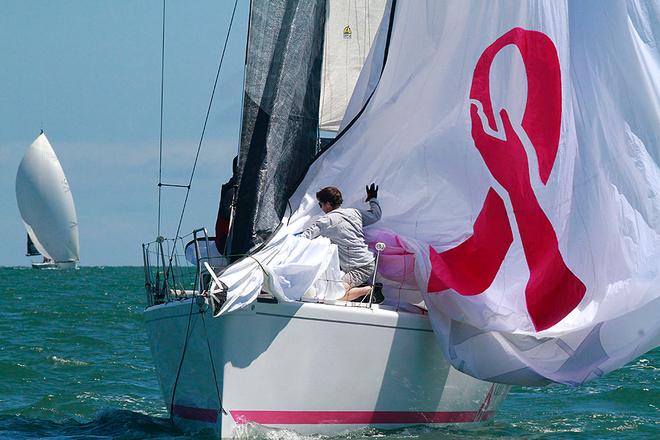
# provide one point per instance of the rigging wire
(215, 376)
(201, 139)
(160, 140)
(183, 356)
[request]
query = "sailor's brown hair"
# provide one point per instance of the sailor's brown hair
(331, 195)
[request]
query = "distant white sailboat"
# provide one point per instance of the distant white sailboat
(46, 206)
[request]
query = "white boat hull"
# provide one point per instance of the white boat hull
(56, 265)
(310, 368)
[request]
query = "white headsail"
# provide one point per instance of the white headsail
(350, 28)
(45, 203)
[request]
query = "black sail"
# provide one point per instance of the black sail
(31, 248)
(280, 113)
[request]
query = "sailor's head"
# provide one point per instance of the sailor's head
(329, 199)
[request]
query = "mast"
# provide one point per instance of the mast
(225, 247)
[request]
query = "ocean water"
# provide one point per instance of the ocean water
(75, 364)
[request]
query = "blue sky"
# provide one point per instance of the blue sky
(88, 72)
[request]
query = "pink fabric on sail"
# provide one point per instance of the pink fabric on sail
(397, 261)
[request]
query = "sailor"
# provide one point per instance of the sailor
(343, 226)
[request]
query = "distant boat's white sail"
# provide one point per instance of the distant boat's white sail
(45, 203)
(350, 28)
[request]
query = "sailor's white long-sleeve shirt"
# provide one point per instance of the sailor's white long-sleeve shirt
(343, 226)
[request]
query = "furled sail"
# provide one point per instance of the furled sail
(45, 203)
(280, 113)
(516, 145)
(350, 28)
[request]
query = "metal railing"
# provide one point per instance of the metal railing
(168, 274)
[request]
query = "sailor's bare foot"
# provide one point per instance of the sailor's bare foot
(355, 292)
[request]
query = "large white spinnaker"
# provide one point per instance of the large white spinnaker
(517, 150)
(350, 28)
(45, 203)
(516, 145)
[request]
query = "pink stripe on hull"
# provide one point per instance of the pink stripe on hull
(356, 417)
(333, 417)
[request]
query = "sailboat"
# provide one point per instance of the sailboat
(46, 205)
(474, 118)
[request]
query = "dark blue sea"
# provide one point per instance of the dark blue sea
(75, 364)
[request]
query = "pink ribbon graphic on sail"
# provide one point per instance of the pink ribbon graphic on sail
(552, 290)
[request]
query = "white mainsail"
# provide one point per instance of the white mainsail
(45, 203)
(350, 28)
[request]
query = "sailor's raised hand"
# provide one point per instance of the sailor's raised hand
(372, 192)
